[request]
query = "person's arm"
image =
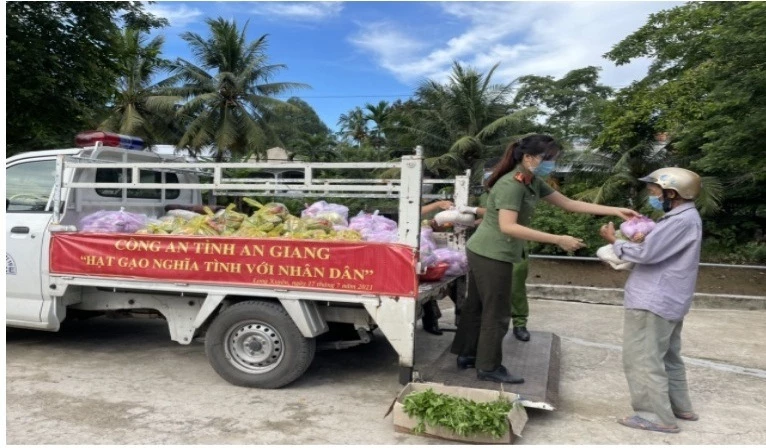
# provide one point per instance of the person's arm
(509, 226)
(570, 205)
(667, 239)
(432, 207)
(478, 211)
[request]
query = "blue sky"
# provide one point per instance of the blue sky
(352, 53)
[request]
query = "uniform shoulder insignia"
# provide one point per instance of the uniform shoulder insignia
(525, 179)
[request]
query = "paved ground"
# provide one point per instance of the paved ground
(124, 382)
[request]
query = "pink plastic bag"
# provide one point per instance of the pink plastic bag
(457, 260)
(374, 227)
(636, 229)
(113, 222)
(427, 243)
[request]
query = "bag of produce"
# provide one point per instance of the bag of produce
(294, 224)
(231, 218)
(427, 242)
(636, 229)
(250, 232)
(335, 213)
(113, 222)
(317, 224)
(347, 235)
(375, 227)
(270, 209)
(201, 225)
(185, 214)
(457, 260)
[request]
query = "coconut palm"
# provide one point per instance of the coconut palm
(467, 120)
(613, 175)
(226, 99)
(135, 110)
(353, 126)
(379, 115)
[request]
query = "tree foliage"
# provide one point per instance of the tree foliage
(294, 122)
(61, 67)
(136, 108)
(706, 88)
(353, 126)
(228, 98)
(465, 121)
(570, 104)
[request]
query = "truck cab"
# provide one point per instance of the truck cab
(30, 182)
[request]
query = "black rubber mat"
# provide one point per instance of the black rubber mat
(537, 361)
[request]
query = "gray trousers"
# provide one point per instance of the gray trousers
(651, 356)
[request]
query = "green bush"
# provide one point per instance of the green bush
(720, 244)
(551, 219)
(714, 251)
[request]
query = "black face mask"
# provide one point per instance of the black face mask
(666, 205)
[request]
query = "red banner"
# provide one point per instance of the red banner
(352, 267)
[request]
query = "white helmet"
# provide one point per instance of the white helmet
(684, 182)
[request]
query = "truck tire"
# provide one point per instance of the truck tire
(257, 344)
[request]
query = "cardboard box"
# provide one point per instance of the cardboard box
(517, 417)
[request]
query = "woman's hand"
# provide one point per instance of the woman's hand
(570, 243)
(445, 205)
(625, 213)
(607, 232)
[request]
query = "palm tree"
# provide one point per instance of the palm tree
(353, 126)
(228, 107)
(314, 148)
(467, 120)
(135, 109)
(379, 115)
(613, 175)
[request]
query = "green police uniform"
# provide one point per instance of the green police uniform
(519, 302)
(486, 315)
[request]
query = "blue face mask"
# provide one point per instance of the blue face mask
(655, 202)
(545, 168)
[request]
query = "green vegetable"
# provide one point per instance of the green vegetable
(463, 416)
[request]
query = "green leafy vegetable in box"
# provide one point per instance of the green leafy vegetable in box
(463, 416)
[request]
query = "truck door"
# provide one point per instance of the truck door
(28, 187)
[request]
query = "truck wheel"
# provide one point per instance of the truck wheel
(257, 344)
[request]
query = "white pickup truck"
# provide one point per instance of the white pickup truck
(256, 335)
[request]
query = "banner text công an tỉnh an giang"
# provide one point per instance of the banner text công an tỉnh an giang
(353, 267)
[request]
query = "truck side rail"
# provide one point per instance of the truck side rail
(227, 178)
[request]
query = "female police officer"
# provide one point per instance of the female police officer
(516, 186)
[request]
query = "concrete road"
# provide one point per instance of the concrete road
(124, 382)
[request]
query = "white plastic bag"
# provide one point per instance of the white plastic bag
(607, 255)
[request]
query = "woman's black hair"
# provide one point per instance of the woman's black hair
(534, 145)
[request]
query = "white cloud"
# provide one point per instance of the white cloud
(541, 38)
(390, 44)
(303, 11)
(178, 16)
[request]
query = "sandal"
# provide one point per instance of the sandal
(637, 422)
(691, 416)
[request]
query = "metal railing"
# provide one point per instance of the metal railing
(707, 265)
